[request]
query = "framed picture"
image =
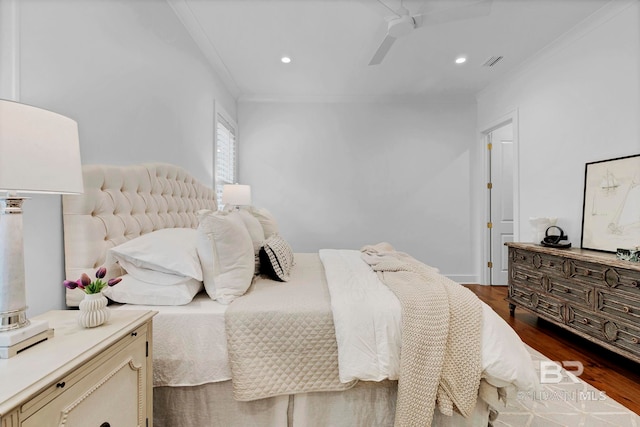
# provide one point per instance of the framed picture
(611, 209)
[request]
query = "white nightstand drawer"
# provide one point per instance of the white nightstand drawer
(111, 392)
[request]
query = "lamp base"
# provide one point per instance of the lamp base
(11, 320)
(16, 340)
(13, 304)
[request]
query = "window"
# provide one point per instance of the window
(226, 154)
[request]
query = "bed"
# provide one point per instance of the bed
(274, 356)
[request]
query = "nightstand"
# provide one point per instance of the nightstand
(100, 376)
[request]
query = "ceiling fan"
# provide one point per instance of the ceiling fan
(402, 23)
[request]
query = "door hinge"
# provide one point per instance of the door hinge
(489, 185)
(147, 349)
(489, 146)
(489, 225)
(490, 264)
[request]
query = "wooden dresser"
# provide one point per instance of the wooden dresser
(590, 293)
(82, 377)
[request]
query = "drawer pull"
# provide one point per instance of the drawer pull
(61, 384)
(585, 321)
(567, 290)
(133, 334)
(634, 284)
(634, 340)
(105, 425)
(626, 309)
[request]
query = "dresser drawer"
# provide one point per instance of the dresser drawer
(539, 302)
(625, 337)
(574, 292)
(622, 280)
(584, 320)
(88, 396)
(617, 334)
(586, 272)
(619, 305)
(539, 280)
(536, 262)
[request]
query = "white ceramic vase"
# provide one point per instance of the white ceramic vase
(93, 310)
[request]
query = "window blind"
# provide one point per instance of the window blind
(226, 155)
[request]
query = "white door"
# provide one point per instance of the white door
(501, 201)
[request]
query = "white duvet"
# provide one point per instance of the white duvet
(367, 318)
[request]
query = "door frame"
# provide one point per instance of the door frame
(486, 129)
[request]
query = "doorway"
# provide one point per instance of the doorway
(501, 213)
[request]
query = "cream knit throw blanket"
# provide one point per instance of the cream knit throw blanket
(440, 360)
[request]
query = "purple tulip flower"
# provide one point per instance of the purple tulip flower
(85, 279)
(90, 287)
(70, 284)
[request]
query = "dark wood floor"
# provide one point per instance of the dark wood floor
(605, 370)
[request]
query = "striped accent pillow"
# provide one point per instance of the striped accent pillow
(276, 258)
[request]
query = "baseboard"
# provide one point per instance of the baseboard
(463, 278)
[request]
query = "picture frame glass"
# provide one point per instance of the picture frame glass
(611, 204)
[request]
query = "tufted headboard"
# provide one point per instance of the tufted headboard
(123, 202)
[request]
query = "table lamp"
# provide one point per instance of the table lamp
(235, 195)
(39, 153)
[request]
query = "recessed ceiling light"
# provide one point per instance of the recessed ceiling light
(285, 59)
(461, 60)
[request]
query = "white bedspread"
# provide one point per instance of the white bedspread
(367, 318)
(190, 346)
(189, 342)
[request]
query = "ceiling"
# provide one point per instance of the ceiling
(332, 41)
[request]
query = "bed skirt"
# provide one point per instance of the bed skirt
(367, 404)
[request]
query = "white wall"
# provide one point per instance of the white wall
(577, 102)
(139, 88)
(346, 174)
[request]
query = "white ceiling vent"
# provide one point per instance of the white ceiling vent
(492, 61)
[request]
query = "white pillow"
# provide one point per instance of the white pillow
(266, 219)
(257, 235)
(162, 257)
(226, 253)
(133, 291)
(254, 228)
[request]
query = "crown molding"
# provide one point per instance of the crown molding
(193, 26)
(592, 22)
(367, 99)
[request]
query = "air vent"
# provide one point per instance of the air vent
(492, 61)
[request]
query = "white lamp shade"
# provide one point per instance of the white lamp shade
(236, 195)
(39, 151)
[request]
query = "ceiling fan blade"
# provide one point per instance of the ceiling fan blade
(388, 8)
(474, 9)
(382, 50)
